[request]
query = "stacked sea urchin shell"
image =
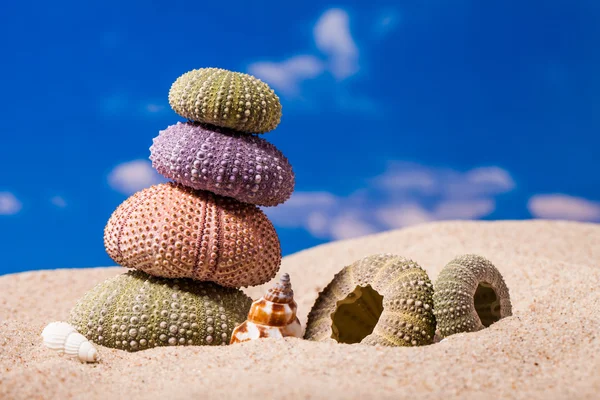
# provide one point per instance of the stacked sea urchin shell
(206, 225)
(198, 239)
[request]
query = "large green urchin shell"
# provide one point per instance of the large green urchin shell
(135, 311)
(379, 300)
(227, 99)
(470, 295)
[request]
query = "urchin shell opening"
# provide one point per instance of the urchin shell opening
(356, 316)
(487, 304)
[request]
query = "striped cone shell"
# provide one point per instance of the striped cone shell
(271, 316)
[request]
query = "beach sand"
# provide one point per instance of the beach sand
(548, 349)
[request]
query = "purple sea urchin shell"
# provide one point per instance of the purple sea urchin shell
(244, 167)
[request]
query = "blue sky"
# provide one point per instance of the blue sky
(394, 112)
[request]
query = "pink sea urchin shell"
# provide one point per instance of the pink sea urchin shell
(171, 231)
(224, 162)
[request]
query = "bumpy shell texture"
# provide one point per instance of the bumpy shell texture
(271, 316)
(135, 311)
(224, 162)
(379, 300)
(470, 295)
(171, 231)
(227, 99)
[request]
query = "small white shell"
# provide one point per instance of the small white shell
(64, 339)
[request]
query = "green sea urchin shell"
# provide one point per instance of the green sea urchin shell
(226, 99)
(470, 295)
(135, 311)
(379, 300)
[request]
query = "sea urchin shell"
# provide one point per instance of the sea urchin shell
(136, 311)
(271, 316)
(470, 295)
(227, 163)
(228, 99)
(175, 232)
(379, 300)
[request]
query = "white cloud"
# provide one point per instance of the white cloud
(401, 176)
(562, 206)
(9, 204)
(285, 76)
(58, 201)
(464, 209)
(411, 177)
(321, 214)
(405, 194)
(490, 179)
(302, 199)
(399, 216)
(337, 57)
(332, 37)
(154, 108)
(305, 209)
(132, 176)
(349, 225)
(317, 223)
(413, 213)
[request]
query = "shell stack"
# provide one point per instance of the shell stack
(204, 227)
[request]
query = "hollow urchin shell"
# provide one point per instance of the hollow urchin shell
(470, 295)
(172, 231)
(228, 99)
(135, 311)
(385, 294)
(241, 166)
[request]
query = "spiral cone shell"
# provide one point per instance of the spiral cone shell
(271, 316)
